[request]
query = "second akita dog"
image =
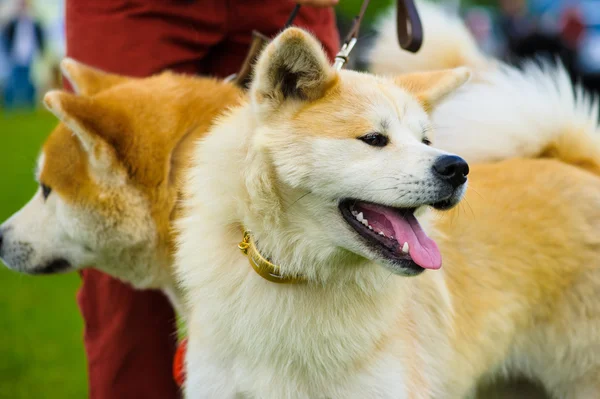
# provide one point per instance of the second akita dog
(324, 181)
(110, 175)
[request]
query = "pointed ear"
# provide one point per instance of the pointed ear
(292, 67)
(88, 81)
(84, 117)
(431, 88)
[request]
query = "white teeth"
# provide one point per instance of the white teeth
(392, 237)
(405, 248)
(381, 233)
(354, 213)
(370, 228)
(359, 217)
(365, 222)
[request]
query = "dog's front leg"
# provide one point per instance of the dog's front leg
(205, 379)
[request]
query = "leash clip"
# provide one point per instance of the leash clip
(342, 56)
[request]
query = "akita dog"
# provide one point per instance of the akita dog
(323, 182)
(110, 175)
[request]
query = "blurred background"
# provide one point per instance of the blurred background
(41, 352)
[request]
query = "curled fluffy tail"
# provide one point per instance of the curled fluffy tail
(533, 111)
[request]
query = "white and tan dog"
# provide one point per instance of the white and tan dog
(109, 176)
(331, 177)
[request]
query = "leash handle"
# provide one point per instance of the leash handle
(409, 27)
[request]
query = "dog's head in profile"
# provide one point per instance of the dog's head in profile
(109, 174)
(352, 154)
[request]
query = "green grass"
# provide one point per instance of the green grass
(41, 344)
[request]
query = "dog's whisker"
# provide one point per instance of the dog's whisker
(469, 205)
(381, 189)
(475, 191)
(302, 196)
(386, 280)
(381, 178)
(397, 178)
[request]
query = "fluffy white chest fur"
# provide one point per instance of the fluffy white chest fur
(281, 341)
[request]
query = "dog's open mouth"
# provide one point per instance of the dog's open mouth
(395, 233)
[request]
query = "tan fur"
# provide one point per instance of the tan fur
(576, 147)
(87, 80)
(339, 102)
(529, 290)
(153, 147)
(432, 88)
(148, 158)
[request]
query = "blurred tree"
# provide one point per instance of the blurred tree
(349, 8)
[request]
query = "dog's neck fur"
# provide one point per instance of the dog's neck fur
(317, 331)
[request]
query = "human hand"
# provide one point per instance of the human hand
(318, 3)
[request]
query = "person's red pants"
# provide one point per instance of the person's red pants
(130, 335)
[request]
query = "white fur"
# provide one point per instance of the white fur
(511, 112)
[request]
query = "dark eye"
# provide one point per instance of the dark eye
(45, 190)
(426, 141)
(375, 139)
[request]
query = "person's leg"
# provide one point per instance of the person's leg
(130, 335)
(268, 17)
(129, 339)
(9, 89)
(28, 88)
(18, 87)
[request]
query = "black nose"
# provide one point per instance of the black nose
(452, 169)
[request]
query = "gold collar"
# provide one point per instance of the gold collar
(262, 266)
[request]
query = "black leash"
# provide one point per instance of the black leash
(292, 17)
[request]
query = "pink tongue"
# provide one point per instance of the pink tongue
(422, 249)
